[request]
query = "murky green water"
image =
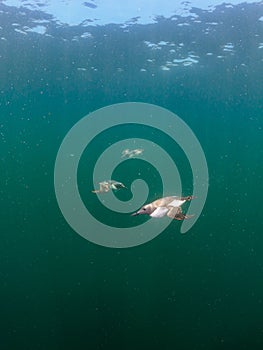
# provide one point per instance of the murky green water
(202, 290)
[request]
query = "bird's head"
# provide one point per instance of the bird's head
(146, 209)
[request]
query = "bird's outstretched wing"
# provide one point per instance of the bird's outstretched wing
(177, 214)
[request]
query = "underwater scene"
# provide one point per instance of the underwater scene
(131, 174)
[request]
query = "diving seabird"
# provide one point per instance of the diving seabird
(131, 153)
(106, 186)
(170, 206)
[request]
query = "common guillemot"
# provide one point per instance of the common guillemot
(169, 206)
(106, 186)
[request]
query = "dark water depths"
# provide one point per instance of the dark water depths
(202, 290)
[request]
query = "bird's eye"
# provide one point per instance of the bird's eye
(143, 208)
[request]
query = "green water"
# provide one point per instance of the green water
(202, 290)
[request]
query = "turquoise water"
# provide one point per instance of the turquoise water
(202, 290)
